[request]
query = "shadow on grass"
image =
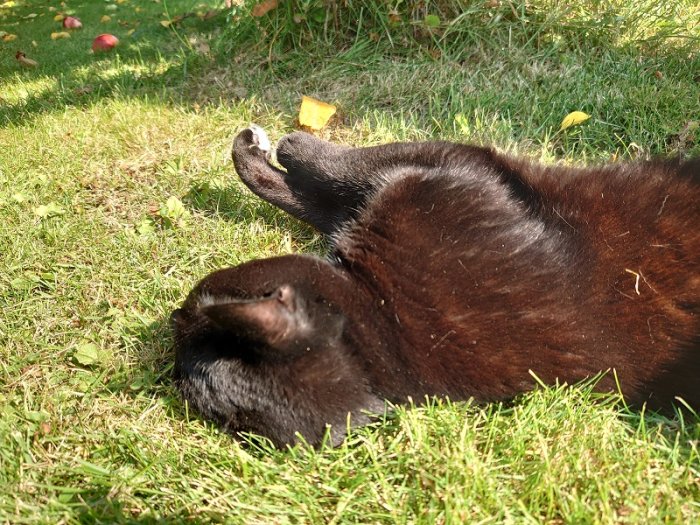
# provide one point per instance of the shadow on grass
(274, 60)
(150, 59)
(234, 203)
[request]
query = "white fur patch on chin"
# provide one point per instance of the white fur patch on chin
(260, 138)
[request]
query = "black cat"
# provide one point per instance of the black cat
(455, 271)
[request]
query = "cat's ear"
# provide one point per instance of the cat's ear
(270, 319)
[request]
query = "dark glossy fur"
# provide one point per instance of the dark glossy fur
(455, 271)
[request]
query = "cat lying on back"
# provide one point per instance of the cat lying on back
(455, 271)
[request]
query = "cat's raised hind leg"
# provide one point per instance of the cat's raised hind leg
(251, 154)
(305, 197)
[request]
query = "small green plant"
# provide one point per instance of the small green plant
(172, 213)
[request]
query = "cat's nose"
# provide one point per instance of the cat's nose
(285, 295)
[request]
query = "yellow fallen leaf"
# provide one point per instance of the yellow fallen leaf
(573, 118)
(9, 37)
(165, 23)
(105, 19)
(130, 32)
(60, 34)
(314, 113)
(58, 17)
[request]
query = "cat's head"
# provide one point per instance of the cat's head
(262, 348)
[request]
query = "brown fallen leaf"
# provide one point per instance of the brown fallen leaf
(264, 7)
(27, 62)
(44, 428)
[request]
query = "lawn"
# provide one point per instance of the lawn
(117, 195)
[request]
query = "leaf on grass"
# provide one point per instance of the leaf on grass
(174, 207)
(315, 114)
(165, 23)
(48, 210)
(60, 34)
(87, 354)
(172, 213)
(22, 59)
(44, 428)
(105, 19)
(8, 37)
(574, 118)
(262, 8)
(432, 21)
(462, 124)
(145, 380)
(36, 416)
(26, 283)
(146, 227)
(59, 17)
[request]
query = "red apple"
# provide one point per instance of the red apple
(105, 42)
(71, 22)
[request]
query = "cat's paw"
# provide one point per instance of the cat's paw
(251, 144)
(259, 138)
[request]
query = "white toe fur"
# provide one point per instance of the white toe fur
(261, 138)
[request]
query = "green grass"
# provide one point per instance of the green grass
(92, 258)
